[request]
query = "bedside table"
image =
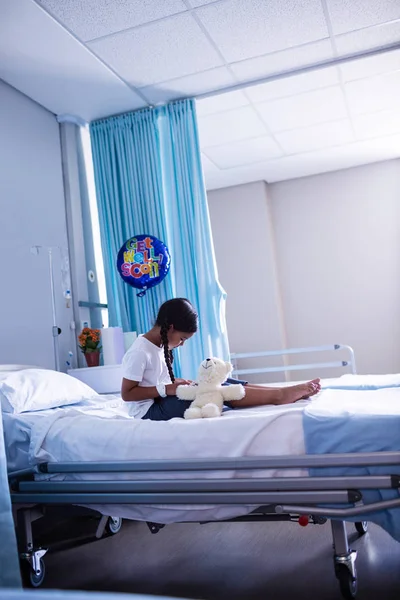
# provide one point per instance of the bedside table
(104, 380)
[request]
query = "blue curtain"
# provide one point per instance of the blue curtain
(149, 179)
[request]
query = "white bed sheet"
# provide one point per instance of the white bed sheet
(18, 428)
(102, 430)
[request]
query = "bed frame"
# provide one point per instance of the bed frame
(300, 499)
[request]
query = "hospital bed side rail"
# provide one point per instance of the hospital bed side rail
(350, 459)
(349, 362)
(288, 494)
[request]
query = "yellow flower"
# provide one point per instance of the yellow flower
(89, 339)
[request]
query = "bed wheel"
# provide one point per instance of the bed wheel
(154, 527)
(114, 524)
(361, 527)
(348, 583)
(30, 577)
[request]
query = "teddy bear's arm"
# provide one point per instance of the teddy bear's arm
(233, 392)
(186, 392)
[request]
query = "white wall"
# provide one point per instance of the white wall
(32, 214)
(244, 246)
(325, 264)
(338, 258)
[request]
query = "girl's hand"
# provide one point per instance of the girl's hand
(171, 388)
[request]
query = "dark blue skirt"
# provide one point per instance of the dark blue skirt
(171, 407)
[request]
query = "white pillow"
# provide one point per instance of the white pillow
(38, 389)
(6, 370)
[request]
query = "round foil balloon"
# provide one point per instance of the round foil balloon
(143, 262)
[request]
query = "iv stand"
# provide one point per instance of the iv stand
(55, 329)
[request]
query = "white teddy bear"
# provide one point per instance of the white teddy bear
(209, 395)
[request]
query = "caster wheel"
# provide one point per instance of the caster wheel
(348, 585)
(361, 527)
(29, 577)
(114, 524)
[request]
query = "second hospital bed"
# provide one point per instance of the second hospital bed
(256, 464)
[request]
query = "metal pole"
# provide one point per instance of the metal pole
(55, 328)
(332, 62)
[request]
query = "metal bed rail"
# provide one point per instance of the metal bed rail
(349, 362)
(283, 492)
(253, 498)
(351, 459)
(217, 485)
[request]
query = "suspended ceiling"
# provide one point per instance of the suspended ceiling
(94, 58)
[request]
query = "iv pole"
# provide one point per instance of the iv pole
(55, 329)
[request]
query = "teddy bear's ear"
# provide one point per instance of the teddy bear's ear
(229, 367)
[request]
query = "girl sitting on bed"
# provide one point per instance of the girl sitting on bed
(149, 382)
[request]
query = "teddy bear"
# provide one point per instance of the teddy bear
(209, 395)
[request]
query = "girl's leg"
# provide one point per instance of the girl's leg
(167, 408)
(171, 407)
(258, 395)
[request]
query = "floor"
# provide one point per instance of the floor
(250, 561)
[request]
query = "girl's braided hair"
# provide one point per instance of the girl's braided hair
(179, 313)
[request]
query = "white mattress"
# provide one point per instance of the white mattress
(102, 430)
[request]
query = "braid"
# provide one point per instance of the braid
(180, 314)
(167, 353)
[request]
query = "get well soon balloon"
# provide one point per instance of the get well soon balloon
(143, 262)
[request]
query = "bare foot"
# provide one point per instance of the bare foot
(300, 392)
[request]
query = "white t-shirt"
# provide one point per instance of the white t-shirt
(144, 362)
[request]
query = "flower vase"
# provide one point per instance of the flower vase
(92, 358)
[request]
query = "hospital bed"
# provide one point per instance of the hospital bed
(254, 467)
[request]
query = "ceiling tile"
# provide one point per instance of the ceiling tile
(246, 28)
(223, 128)
(46, 63)
(310, 163)
(307, 139)
(208, 165)
(196, 3)
(385, 122)
(190, 85)
(289, 86)
(368, 39)
(332, 159)
(165, 50)
(278, 62)
(229, 177)
(348, 15)
(94, 18)
(238, 154)
(221, 103)
(210, 171)
(376, 93)
(368, 67)
(304, 110)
